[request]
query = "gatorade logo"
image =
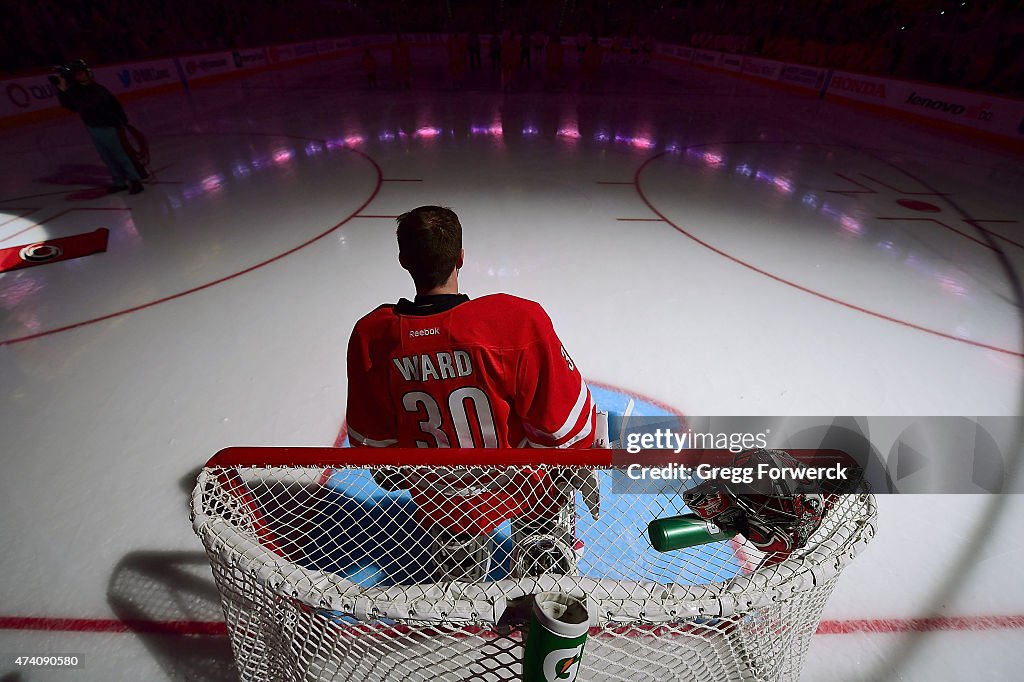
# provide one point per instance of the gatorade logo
(563, 665)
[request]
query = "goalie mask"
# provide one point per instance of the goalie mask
(776, 516)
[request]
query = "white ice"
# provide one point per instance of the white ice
(756, 282)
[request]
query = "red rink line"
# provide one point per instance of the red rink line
(939, 623)
(170, 627)
(28, 212)
(799, 287)
(251, 268)
(995, 234)
(219, 629)
(47, 194)
(63, 213)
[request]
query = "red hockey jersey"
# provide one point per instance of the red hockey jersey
(488, 372)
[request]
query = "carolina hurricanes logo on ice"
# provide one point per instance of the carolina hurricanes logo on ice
(38, 253)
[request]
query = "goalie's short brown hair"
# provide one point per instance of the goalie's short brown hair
(429, 244)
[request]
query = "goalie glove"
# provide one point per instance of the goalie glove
(568, 481)
(389, 478)
(777, 517)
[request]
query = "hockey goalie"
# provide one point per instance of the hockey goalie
(445, 371)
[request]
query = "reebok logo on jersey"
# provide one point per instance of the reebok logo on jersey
(433, 331)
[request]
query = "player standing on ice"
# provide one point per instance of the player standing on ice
(445, 371)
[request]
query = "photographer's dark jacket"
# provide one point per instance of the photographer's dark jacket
(94, 103)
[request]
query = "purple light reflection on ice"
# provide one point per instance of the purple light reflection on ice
(212, 183)
(851, 225)
(19, 290)
(830, 212)
(783, 184)
(494, 129)
(713, 159)
(952, 286)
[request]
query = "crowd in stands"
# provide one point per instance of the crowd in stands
(969, 43)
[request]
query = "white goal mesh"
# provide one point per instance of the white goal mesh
(333, 567)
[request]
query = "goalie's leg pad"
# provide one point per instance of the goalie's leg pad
(546, 544)
(461, 557)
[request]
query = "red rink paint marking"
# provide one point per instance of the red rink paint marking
(818, 294)
(27, 212)
(865, 189)
(936, 624)
(903, 191)
(83, 208)
(171, 627)
(219, 629)
(62, 213)
(915, 205)
(46, 194)
(925, 207)
(180, 294)
(975, 223)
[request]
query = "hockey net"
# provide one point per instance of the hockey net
(333, 565)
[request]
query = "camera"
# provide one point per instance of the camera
(67, 71)
(58, 72)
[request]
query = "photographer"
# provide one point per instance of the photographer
(102, 115)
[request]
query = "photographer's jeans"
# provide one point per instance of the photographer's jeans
(108, 144)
